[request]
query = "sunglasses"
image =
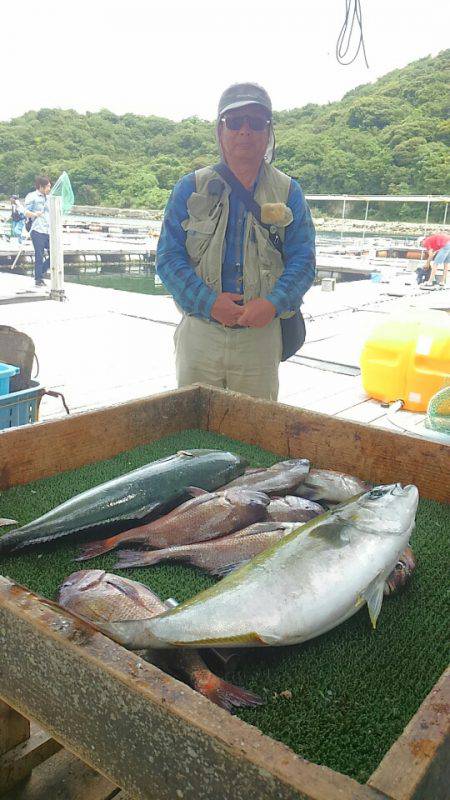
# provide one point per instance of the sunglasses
(236, 122)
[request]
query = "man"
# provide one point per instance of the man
(36, 209)
(438, 246)
(220, 263)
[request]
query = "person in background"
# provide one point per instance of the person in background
(37, 210)
(438, 246)
(17, 218)
(220, 263)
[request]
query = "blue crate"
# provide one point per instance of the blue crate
(20, 408)
(7, 371)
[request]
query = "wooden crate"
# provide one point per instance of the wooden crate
(141, 729)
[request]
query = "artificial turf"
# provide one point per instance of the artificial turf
(340, 700)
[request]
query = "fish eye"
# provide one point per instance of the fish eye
(379, 491)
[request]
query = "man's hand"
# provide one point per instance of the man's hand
(226, 310)
(257, 313)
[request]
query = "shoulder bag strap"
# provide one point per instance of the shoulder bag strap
(248, 200)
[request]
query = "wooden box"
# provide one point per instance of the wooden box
(146, 732)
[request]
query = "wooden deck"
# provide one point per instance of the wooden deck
(104, 346)
(143, 730)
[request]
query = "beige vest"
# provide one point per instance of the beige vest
(207, 224)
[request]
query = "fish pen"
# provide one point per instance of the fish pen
(355, 714)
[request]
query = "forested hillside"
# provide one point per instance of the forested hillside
(389, 137)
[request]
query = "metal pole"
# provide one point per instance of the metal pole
(19, 253)
(365, 221)
(445, 214)
(57, 291)
(428, 214)
(343, 219)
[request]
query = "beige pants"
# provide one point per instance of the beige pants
(243, 360)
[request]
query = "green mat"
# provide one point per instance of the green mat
(349, 693)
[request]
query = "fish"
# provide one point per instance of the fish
(206, 516)
(278, 479)
(97, 595)
(218, 557)
(129, 499)
(401, 573)
(306, 584)
(293, 509)
(329, 486)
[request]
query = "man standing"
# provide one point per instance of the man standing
(223, 267)
(36, 209)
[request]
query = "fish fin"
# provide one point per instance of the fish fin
(5, 521)
(225, 569)
(129, 591)
(98, 547)
(373, 596)
(195, 491)
(143, 512)
(331, 530)
(224, 694)
(198, 500)
(136, 558)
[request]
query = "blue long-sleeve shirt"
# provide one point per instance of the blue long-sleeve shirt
(192, 293)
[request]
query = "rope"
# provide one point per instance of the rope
(352, 13)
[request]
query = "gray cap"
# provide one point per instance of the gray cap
(244, 94)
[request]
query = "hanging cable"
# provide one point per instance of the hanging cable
(353, 14)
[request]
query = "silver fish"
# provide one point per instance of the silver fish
(328, 486)
(308, 583)
(293, 509)
(278, 479)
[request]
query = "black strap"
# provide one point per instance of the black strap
(248, 200)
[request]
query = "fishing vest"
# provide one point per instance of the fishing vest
(208, 209)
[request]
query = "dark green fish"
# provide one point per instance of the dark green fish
(130, 499)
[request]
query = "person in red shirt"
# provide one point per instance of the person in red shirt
(438, 246)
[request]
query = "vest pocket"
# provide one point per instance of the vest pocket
(204, 214)
(270, 262)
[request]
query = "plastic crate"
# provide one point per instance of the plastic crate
(7, 371)
(20, 408)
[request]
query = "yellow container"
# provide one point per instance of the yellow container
(407, 358)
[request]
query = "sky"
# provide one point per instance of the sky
(174, 58)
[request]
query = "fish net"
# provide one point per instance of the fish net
(63, 189)
(438, 413)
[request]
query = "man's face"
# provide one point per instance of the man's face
(245, 144)
(45, 189)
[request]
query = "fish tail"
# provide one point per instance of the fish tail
(135, 558)
(223, 694)
(4, 521)
(99, 546)
(8, 542)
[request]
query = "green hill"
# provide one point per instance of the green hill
(389, 137)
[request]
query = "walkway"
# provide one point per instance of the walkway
(104, 346)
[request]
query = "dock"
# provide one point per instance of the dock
(104, 346)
